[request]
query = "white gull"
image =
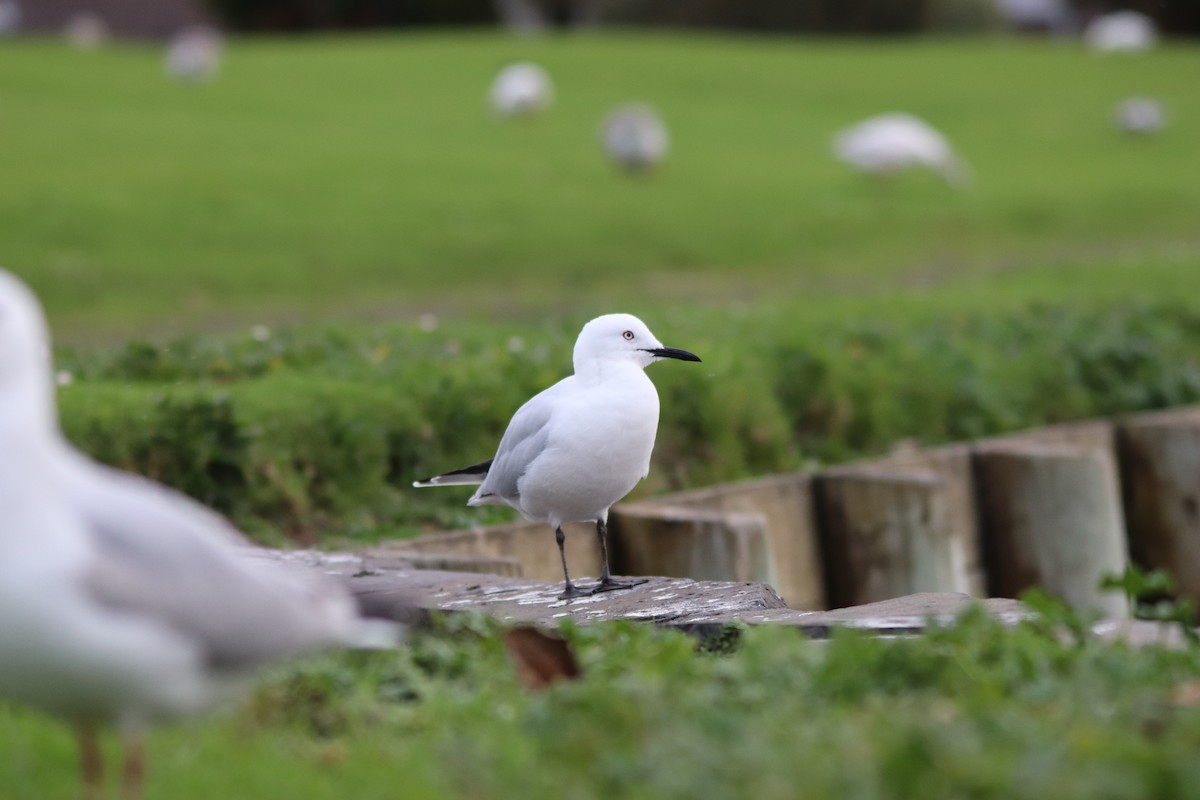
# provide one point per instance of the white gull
(578, 447)
(123, 602)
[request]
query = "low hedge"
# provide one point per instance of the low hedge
(304, 433)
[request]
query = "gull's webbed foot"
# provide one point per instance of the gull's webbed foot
(611, 585)
(571, 591)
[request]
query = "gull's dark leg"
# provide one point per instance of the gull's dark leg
(607, 584)
(92, 763)
(133, 774)
(569, 589)
(602, 539)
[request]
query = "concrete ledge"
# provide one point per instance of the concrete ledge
(530, 545)
(388, 586)
(459, 562)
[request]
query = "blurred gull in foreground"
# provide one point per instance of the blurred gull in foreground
(194, 54)
(890, 143)
(124, 602)
(521, 89)
(634, 137)
(1121, 32)
(578, 447)
(1139, 115)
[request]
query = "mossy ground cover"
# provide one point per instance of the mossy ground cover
(974, 710)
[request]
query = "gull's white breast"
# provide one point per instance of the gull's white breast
(599, 448)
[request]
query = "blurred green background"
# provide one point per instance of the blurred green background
(364, 176)
(330, 270)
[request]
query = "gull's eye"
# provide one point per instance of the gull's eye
(628, 336)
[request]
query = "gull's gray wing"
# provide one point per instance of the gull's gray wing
(162, 556)
(523, 441)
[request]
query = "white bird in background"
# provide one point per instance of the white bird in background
(123, 602)
(575, 449)
(1139, 115)
(10, 17)
(634, 137)
(86, 30)
(521, 89)
(1121, 32)
(194, 54)
(1049, 15)
(890, 143)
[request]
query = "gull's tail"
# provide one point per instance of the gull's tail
(467, 476)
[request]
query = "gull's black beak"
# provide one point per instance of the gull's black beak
(672, 352)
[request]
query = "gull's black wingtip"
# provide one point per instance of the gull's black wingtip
(472, 474)
(475, 469)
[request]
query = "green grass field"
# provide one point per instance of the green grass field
(337, 178)
(977, 710)
(338, 188)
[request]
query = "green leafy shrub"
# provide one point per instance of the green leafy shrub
(319, 431)
(971, 709)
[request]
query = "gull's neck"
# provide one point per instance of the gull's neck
(598, 370)
(28, 415)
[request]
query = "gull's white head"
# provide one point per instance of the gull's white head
(622, 337)
(24, 339)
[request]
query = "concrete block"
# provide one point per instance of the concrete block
(687, 543)
(527, 543)
(1051, 516)
(885, 533)
(1159, 455)
(785, 504)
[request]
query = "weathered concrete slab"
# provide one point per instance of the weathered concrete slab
(462, 562)
(915, 609)
(664, 601)
(1096, 434)
(897, 616)
(784, 503)
(388, 586)
(1052, 518)
(529, 544)
(1159, 458)
(886, 533)
(952, 463)
(689, 543)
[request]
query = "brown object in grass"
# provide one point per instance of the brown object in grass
(540, 658)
